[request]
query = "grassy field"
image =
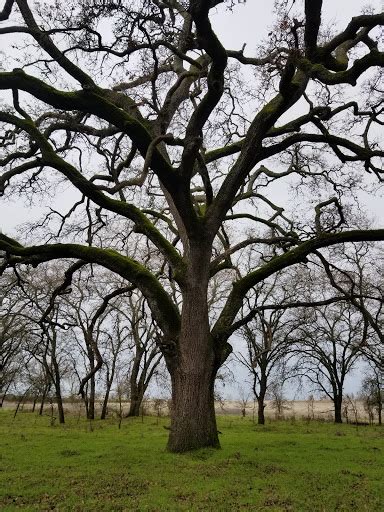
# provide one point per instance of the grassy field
(283, 466)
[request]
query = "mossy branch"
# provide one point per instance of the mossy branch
(142, 223)
(163, 308)
(95, 101)
(251, 148)
(349, 76)
(222, 329)
(366, 20)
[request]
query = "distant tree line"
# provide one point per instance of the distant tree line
(67, 339)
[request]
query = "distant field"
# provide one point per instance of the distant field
(298, 409)
(283, 466)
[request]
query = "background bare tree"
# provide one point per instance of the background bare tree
(372, 392)
(268, 340)
(145, 354)
(87, 311)
(13, 332)
(328, 340)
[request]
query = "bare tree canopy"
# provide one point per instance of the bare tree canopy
(174, 146)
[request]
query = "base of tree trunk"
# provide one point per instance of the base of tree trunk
(193, 423)
(187, 436)
(134, 409)
(260, 413)
(61, 415)
(338, 417)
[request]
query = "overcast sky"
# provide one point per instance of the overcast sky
(251, 20)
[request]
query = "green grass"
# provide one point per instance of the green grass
(283, 466)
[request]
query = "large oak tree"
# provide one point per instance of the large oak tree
(170, 137)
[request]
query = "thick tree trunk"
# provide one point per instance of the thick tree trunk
(260, 411)
(193, 413)
(135, 404)
(193, 371)
(338, 407)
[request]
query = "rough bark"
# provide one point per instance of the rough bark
(193, 423)
(193, 413)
